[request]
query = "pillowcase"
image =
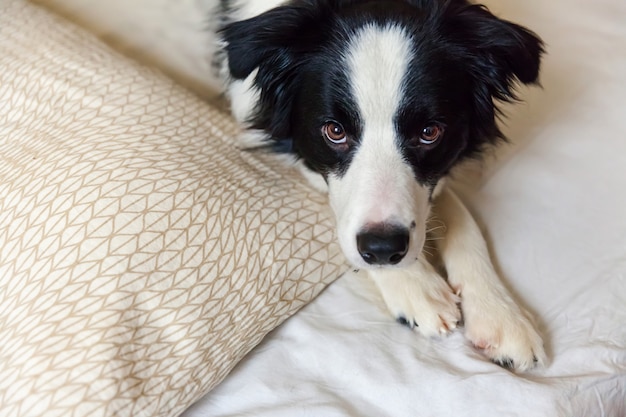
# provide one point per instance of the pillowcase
(141, 254)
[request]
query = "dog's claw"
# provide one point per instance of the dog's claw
(404, 322)
(506, 363)
(447, 327)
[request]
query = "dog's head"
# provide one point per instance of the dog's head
(382, 98)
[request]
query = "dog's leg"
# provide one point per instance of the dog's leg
(419, 297)
(493, 321)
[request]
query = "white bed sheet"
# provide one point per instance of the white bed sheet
(554, 207)
(553, 204)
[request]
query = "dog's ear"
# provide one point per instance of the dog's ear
(499, 52)
(274, 37)
(276, 43)
(498, 55)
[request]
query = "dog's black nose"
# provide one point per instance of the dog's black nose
(383, 245)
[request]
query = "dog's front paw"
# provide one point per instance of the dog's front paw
(503, 331)
(424, 302)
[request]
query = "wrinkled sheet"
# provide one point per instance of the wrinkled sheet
(553, 204)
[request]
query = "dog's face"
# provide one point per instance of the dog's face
(382, 98)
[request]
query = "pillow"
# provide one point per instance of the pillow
(141, 254)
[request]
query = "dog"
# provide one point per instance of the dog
(379, 100)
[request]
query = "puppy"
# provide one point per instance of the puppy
(380, 99)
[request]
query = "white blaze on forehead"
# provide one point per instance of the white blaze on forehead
(378, 61)
(379, 185)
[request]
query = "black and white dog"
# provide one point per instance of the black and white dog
(380, 99)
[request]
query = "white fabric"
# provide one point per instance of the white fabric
(554, 207)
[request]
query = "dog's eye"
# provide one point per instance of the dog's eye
(431, 134)
(335, 133)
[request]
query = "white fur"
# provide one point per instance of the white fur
(420, 296)
(243, 96)
(493, 321)
(246, 9)
(379, 185)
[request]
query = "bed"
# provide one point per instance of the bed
(553, 205)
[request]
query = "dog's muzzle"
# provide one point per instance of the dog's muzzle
(383, 244)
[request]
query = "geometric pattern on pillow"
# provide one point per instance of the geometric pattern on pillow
(141, 254)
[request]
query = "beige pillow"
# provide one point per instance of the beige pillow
(141, 254)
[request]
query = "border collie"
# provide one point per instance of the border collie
(379, 100)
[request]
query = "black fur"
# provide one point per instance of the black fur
(467, 60)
